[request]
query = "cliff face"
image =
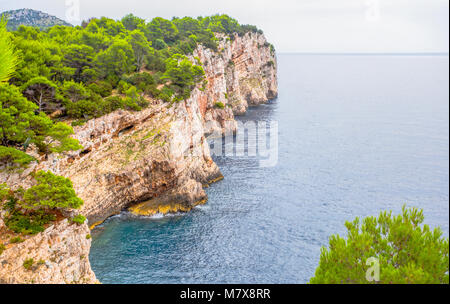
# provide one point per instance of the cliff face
(129, 157)
(60, 254)
(155, 160)
(161, 153)
(242, 73)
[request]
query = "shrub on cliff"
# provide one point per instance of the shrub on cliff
(20, 125)
(182, 75)
(28, 223)
(140, 80)
(16, 240)
(12, 156)
(28, 211)
(102, 88)
(219, 105)
(51, 191)
(79, 219)
(28, 263)
(387, 249)
(4, 192)
(72, 91)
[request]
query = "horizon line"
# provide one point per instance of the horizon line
(367, 53)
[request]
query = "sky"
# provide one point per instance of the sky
(309, 26)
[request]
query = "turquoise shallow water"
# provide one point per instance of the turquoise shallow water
(357, 135)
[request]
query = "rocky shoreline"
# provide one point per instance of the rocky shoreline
(153, 161)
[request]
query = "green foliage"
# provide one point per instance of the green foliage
(272, 49)
(74, 71)
(88, 236)
(12, 156)
(7, 198)
(4, 193)
(42, 92)
(2, 248)
(87, 109)
(122, 87)
(160, 44)
(29, 211)
(109, 26)
(83, 102)
(51, 191)
(17, 115)
(408, 252)
(91, 108)
(16, 240)
(227, 25)
(79, 219)
(8, 58)
(102, 88)
(72, 91)
(28, 264)
(78, 122)
(61, 140)
(182, 75)
(160, 28)
(134, 100)
(166, 94)
(35, 56)
(131, 22)
(21, 126)
(141, 47)
(141, 80)
(219, 105)
(117, 59)
(80, 58)
(28, 223)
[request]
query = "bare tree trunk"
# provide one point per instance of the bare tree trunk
(4, 140)
(139, 63)
(40, 103)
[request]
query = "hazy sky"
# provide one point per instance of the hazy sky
(292, 25)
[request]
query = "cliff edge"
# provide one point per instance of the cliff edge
(153, 161)
(60, 254)
(161, 152)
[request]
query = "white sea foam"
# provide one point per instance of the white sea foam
(202, 207)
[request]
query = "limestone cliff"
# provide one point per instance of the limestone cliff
(242, 73)
(161, 152)
(154, 160)
(58, 255)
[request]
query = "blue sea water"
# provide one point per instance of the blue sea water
(357, 135)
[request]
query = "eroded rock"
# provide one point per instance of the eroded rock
(58, 255)
(157, 160)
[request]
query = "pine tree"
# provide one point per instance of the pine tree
(404, 250)
(8, 58)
